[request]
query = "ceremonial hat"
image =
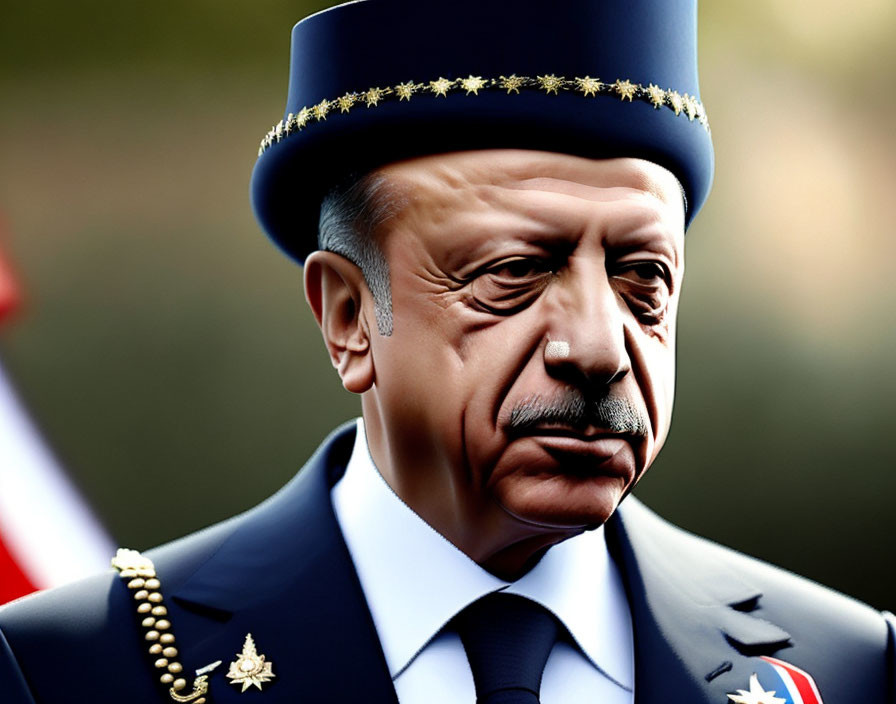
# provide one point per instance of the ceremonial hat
(376, 81)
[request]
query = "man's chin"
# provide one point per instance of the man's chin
(561, 502)
(563, 483)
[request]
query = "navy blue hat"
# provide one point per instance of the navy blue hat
(375, 81)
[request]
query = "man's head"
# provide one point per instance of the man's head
(528, 380)
(502, 286)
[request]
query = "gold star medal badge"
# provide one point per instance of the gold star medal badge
(756, 695)
(250, 668)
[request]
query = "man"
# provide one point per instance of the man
(500, 191)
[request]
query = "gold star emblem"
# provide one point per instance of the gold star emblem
(756, 695)
(656, 94)
(441, 86)
(675, 101)
(511, 83)
(404, 91)
(625, 89)
(303, 117)
(249, 669)
(550, 83)
(321, 109)
(472, 84)
(373, 96)
(346, 101)
(589, 85)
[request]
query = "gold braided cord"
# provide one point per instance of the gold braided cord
(623, 89)
(139, 574)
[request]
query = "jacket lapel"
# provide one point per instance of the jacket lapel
(284, 575)
(695, 638)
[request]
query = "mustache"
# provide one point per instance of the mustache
(574, 409)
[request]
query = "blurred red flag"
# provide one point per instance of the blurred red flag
(13, 582)
(9, 290)
(48, 535)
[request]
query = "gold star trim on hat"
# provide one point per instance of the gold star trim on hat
(346, 102)
(472, 84)
(302, 118)
(549, 84)
(441, 86)
(511, 83)
(701, 116)
(625, 89)
(589, 86)
(250, 669)
(657, 95)
(756, 695)
(690, 107)
(404, 91)
(373, 96)
(675, 100)
(320, 110)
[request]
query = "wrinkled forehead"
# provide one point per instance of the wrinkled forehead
(529, 183)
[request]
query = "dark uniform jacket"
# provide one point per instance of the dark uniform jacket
(702, 616)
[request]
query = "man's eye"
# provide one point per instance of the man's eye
(518, 268)
(509, 285)
(645, 287)
(644, 273)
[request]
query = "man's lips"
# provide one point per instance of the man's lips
(595, 444)
(600, 448)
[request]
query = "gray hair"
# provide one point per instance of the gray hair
(350, 216)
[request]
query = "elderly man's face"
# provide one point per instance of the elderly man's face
(528, 381)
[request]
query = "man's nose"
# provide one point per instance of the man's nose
(586, 338)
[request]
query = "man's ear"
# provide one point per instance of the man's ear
(335, 289)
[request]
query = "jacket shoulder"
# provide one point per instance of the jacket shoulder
(809, 611)
(84, 636)
(71, 634)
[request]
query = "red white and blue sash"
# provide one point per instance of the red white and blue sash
(789, 682)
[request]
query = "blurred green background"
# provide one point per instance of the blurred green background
(165, 348)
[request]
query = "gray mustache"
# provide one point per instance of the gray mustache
(572, 408)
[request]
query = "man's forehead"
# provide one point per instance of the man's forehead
(441, 180)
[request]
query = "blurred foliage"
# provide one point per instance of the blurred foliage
(196, 34)
(167, 352)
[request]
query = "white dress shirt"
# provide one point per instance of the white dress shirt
(415, 582)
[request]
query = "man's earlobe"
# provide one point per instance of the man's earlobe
(336, 292)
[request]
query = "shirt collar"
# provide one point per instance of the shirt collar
(415, 581)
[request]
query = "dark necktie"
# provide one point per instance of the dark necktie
(508, 639)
